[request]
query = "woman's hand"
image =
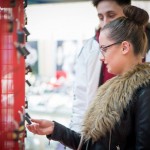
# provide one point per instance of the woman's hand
(41, 127)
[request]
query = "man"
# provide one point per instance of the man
(90, 72)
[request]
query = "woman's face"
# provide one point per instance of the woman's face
(111, 53)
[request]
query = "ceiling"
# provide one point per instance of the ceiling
(59, 1)
(52, 1)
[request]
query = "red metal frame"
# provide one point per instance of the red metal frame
(12, 76)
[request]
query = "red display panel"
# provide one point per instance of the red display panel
(12, 75)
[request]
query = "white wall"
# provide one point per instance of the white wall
(48, 23)
(142, 4)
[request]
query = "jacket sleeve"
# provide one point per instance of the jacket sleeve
(142, 120)
(87, 70)
(65, 136)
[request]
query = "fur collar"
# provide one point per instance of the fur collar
(112, 98)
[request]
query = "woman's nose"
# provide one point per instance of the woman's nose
(102, 58)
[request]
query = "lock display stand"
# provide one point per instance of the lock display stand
(12, 75)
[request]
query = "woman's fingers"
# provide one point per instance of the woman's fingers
(41, 127)
(36, 120)
(33, 127)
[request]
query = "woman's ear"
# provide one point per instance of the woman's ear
(125, 47)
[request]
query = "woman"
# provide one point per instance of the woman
(119, 117)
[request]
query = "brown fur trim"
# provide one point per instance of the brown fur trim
(112, 98)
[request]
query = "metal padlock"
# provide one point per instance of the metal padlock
(20, 36)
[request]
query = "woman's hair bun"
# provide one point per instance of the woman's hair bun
(136, 14)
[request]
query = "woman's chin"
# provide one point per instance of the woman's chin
(110, 71)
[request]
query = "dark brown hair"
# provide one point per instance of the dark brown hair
(119, 2)
(130, 28)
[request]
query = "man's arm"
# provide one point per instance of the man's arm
(87, 71)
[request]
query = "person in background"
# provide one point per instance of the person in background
(90, 73)
(119, 117)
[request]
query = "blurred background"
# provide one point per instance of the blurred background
(58, 29)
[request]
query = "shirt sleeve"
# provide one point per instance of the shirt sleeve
(87, 71)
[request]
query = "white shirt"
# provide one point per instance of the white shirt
(87, 74)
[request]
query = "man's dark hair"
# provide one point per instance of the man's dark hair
(119, 2)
